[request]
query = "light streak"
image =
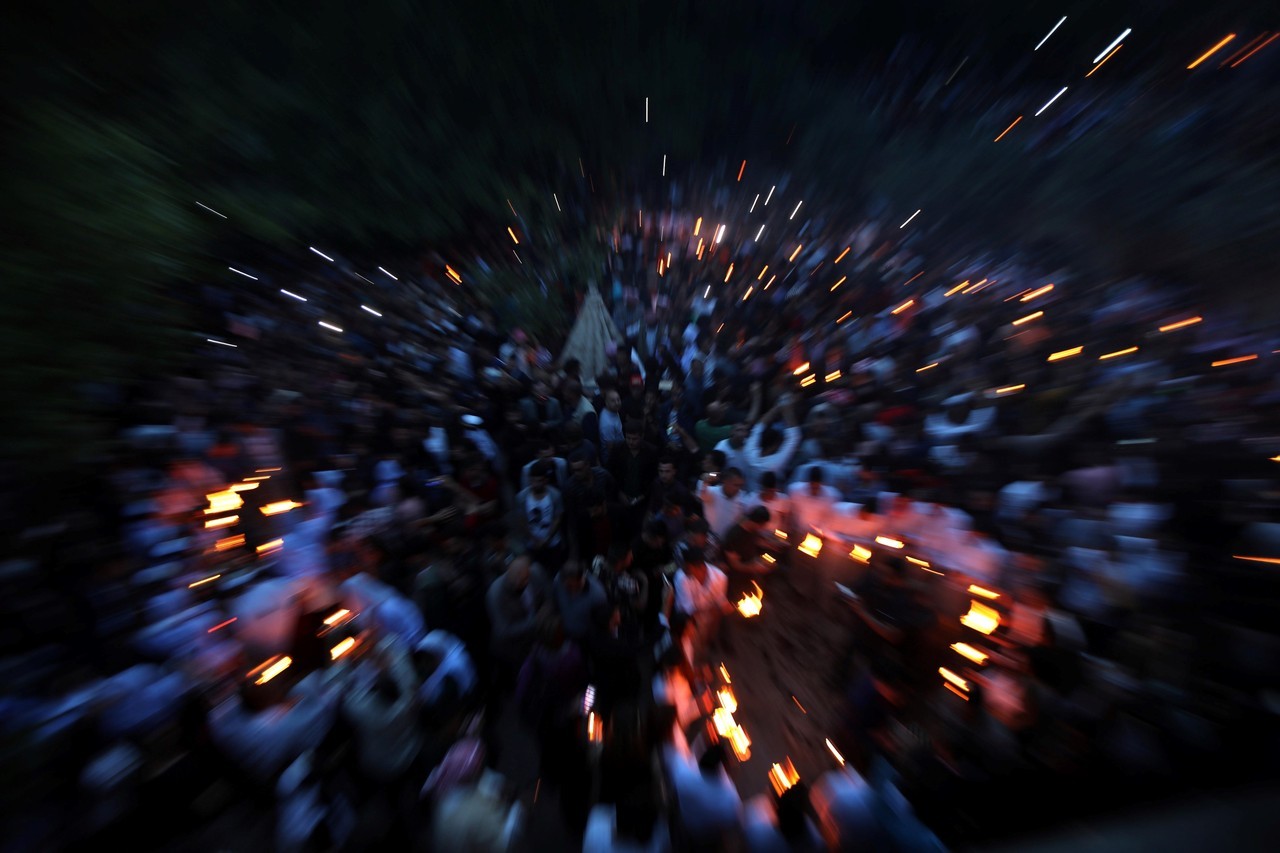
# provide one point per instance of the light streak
(517, 254)
(917, 561)
(244, 487)
(967, 651)
(337, 617)
(959, 693)
(808, 380)
(1027, 319)
(329, 326)
(748, 293)
(758, 233)
(1248, 45)
(1007, 129)
(838, 283)
(1275, 561)
(277, 507)
(981, 618)
(974, 589)
(1051, 32)
(668, 260)
(762, 272)
(1237, 360)
(781, 534)
(719, 235)
(783, 776)
(958, 287)
(770, 195)
(1217, 47)
(452, 273)
(697, 226)
(909, 218)
(740, 743)
(727, 700)
(556, 199)
(211, 210)
(724, 673)
(1118, 353)
(321, 254)
(903, 307)
(840, 257)
(753, 203)
(1182, 324)
(926, 367)
(1104, 60)
(751, 603)
(700, 247)
(976, 287)
(646, 110)
(811, 545)
(794, 212)
(1066, 353)
(832, 749)
(225, 521)
(890, 542)
(664, 165)
(796, 252)
(271, 669)
(245, 274)
(957, 71)
(270, 547)
(729, 273)
(221, 343)
(221, 625)
(370, 310)
(204, 581)
(1009, 389)
(1039, 291)
(382, 270)
(913, 278)
(831, 377)
(1016, 295)
(513, 209)
(861, 554)
(1049, 102)
(1107, 49)
(224, 501)
(229, 543)
(843, 317)
(514, 238)
(742, 169)
(293, 295)
(1255, 50)
(342, 648)
(953, 678)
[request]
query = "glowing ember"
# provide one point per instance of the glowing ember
(783, 776)
(280, 506)
(811, 545)
(751, 604)
(967, 651)
(224, 501)
(981, 618)
(271, 669)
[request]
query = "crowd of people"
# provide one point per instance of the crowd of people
(324, 576)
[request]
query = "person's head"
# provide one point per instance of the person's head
(770, 441)
(573, 577)
(716, 413)
(816, 479)
(613, 401)
(695, 533)
(731, 482)
(573, 369)
(667, 470)
(713, 759)
(620, 556)
(519, 572)
(571, 391)
(546, 446)
(580, 467)
(540, 476)
(714, 462)
(571, 433)
(655, 533)
(738, 435)
(637, 388)
(633, 432)
(768, 484)
(756, 519)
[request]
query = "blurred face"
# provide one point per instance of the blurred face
(613, 401)
(732, 486)
(633, 441)
(697, 540)
(667, 473)
(581, 472)
(538, 484)
(738, 437)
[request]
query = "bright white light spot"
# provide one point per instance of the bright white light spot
(758, 233)
(1107, 49)
(909, 218)
(770, 195)
(393, 278)
(753, 204)
(1051, 32)
(330, 326)
(719, 234)
(370, 310)
(245, 274)
(664, 165)
(320, 253)
(794, 212)
(211, 210)
(294, 295)
(1051, 100)
(221, 343)
(557, 201)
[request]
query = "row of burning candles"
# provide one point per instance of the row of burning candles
(225, 503)
(275, 665)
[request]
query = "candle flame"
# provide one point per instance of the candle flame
(951, 677)
(277, 507)
(968, 651)
(889, 542)
(783, 776)
(974, 589)
(337, 617)
(861, 554)
(342, 648)
(224, 501)
(727, 700)
(981, 618)
(751, 604)
(227, 521)
(271, 669)
(811, 545)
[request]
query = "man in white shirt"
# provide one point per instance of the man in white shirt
(735, 447)
(767, 450)
(702, 596)
(725, 502)
(611, 421)
(813, 503)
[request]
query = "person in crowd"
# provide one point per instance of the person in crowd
(724, 501)
(540, 511)
(515, 601)
(814, 502)
(701, 598)
(633, 464)
(710, 806)
(610, 421)
(580, 601)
